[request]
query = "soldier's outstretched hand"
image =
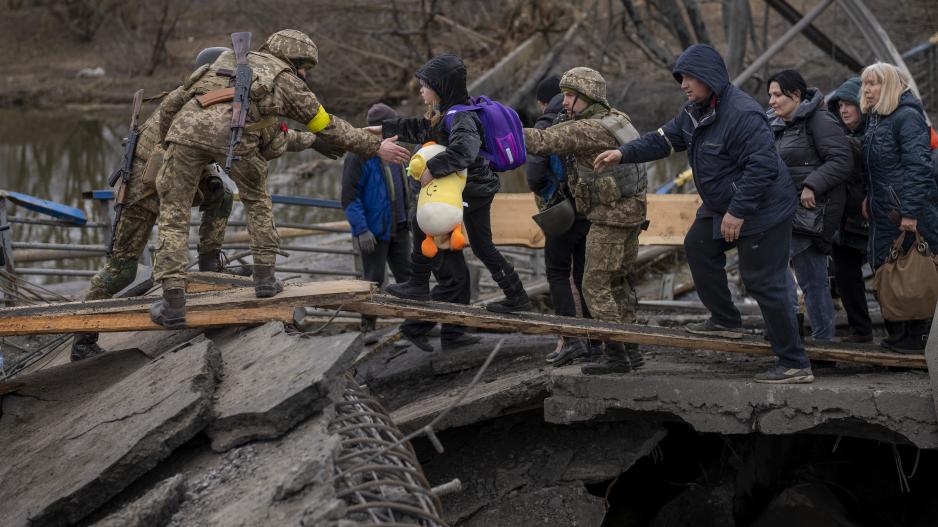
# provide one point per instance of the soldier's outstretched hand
(392, 152)
(606, 159)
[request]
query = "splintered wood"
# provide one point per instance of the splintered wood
(208, 309)
(536, 323)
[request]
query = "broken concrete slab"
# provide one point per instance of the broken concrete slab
(274, 380)
(150, 343)
(567, 505)
(71, 444)
(400, 379)
(714, 393)
(527, 349)
(266, 483)
(506, 394)
(154, 508)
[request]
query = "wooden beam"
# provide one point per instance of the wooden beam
(209, 309)
(670, 216)
(535, 323)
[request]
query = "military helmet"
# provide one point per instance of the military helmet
(294, 47)
(557, 218)
(208, 56)
(586, 82)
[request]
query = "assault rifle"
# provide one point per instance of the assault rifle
(241, 43)
(121, 177)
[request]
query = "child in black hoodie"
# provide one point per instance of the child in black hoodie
(442, 86)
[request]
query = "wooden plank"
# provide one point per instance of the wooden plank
(535, 323)
(209, 309)
(512, 222)
(670, 217)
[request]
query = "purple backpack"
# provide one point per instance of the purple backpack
(504, 137)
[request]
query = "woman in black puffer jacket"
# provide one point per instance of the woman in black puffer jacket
(903, 193)
(820, 159)
(442, 86)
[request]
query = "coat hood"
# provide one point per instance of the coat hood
(909, 99)
(810, 104)
(848, 91)
(446, 75)
(703, 62)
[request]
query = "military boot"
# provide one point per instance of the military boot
(516, 298)
(170, 311)
(85, 346)
(266, 284)
(615, 360)
(210, 262)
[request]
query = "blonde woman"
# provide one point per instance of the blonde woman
(903, 195)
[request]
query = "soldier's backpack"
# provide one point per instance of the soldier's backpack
(501, 126)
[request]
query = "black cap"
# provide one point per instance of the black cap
(547, 88)
(380, 112)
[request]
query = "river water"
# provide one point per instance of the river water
(58, 156)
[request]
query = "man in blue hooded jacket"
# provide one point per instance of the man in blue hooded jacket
(748, 203)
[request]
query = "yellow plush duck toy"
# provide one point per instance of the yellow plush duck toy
(439, 205)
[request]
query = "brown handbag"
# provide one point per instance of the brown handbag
(907, 283)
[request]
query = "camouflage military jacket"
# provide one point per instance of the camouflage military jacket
(275, 91)
(597, 195)
(275, 140)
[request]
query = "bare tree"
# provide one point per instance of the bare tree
(82, 18)
(142, 30)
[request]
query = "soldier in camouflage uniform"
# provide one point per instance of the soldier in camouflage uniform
(613, 200)
(196, 132)
(214, 200)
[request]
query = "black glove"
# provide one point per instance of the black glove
(327, 149)
(367, 242)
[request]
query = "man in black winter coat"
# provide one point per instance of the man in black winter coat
(564, 254)
(850, 243)
(748, 203)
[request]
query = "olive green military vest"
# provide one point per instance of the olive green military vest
(615, 196)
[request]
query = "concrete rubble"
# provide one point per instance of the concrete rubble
(232, 427)
(70, 448)
(130, 437)
(274, 381)
(714, 392)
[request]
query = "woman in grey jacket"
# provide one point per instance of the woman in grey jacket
(820, 160)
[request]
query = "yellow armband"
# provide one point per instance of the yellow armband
(319, 121)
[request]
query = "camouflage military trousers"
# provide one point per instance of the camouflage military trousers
(177, 184)
(610, 256)
(137, 220)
